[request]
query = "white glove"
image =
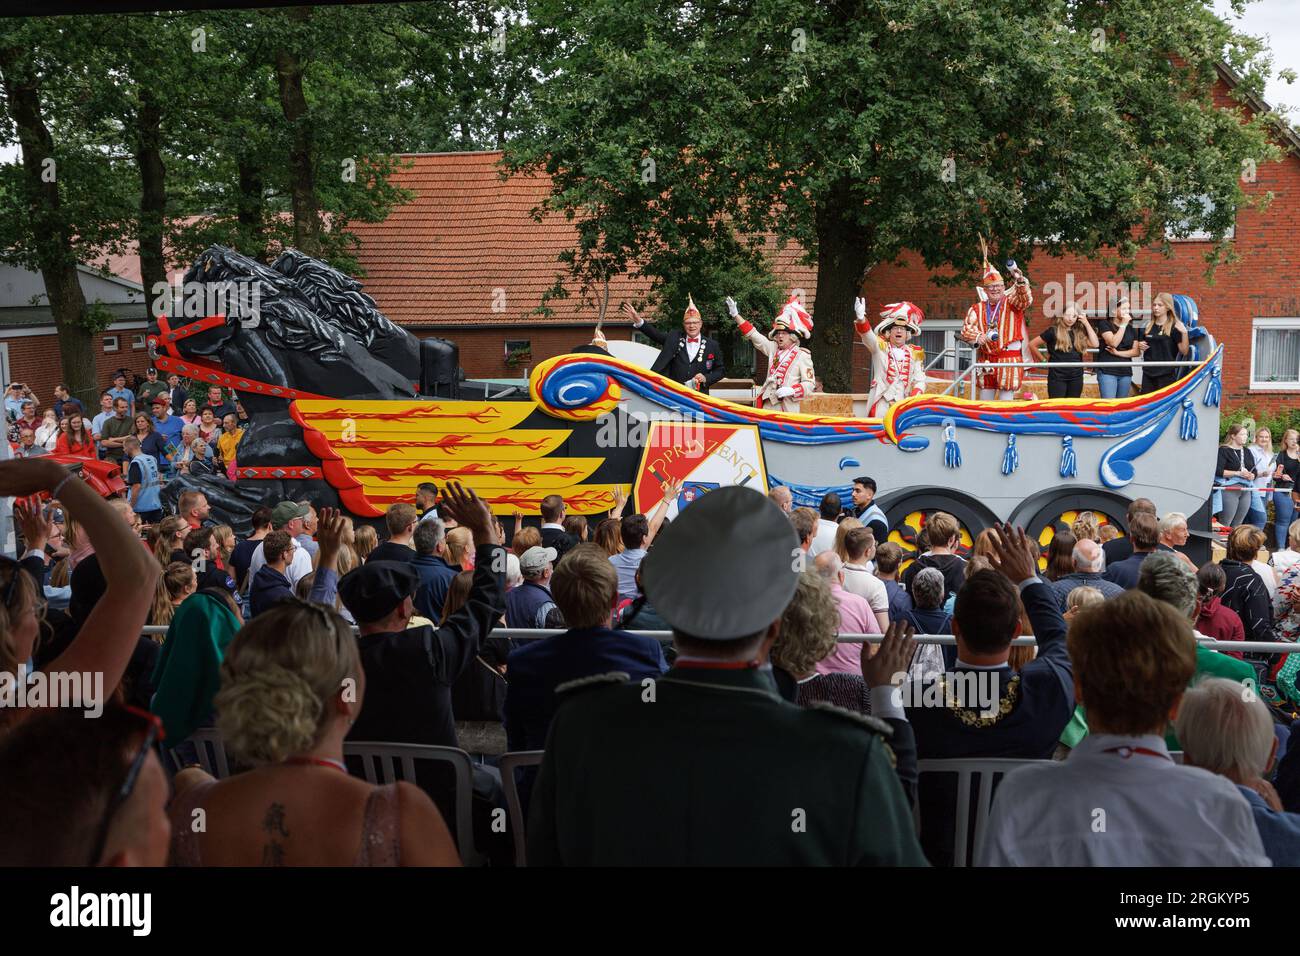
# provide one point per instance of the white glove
(785, 391)
(860, 308)
(731, 308)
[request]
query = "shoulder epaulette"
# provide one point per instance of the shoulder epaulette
(874, 724)
(594, 680)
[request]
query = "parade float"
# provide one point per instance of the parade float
(347, 409)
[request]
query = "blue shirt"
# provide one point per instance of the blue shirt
(1279, 832)
(535, 669)
(436, 576)
(124, 393)
(626, 564)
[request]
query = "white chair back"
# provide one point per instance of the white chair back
(987, 769)
(508, 764)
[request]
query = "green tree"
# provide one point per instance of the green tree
(66, 201)
(864, 128)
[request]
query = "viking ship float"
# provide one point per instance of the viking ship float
(348, 409)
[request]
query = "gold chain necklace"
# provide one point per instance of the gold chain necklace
(969, 717)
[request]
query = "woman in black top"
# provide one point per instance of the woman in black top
(1118, 346)
(1067, 340)
(1285, 478)
(1234, 473)
(1166, 340)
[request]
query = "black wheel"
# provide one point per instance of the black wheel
(907, 512)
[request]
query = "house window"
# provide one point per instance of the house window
(1275, 354)
(137, 341)
(1181, 230)
(940, 339)
(519, 353)
(110, 343)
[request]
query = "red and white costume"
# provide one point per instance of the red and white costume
(897, 372)
(1002, 325)
(791, 367)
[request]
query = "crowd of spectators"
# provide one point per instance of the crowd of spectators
(313, 630)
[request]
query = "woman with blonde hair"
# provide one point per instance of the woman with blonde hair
(1286, 483)
(364, 540)
(223, 539)
(1167, 341)
(1234, 474)
(1070, 338)
(291, 686)
(171, 537)
(176, 584)
(1086, 527)
(841, 532)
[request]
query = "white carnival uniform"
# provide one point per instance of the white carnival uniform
(793, 367)
(897, 372)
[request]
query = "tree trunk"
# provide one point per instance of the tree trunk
(55, 253)
(249, 209)
(153, 197)
(302, 180)
(843, 250)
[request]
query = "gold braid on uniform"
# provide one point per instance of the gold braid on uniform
(970, 716)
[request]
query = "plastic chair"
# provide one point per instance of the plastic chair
(987, 769)
(380, 763)
(507, 763)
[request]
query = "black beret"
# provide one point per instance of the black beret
(372, 591)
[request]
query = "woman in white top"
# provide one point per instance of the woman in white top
(1265, 462)
(47, 432)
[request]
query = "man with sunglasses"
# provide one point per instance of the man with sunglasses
(84, 793)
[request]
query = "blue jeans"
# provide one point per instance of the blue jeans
(1114, 386)
(1283, 514)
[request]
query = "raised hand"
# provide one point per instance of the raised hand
(630, 311)
(1013, 553)
(731, 308)
(35, 525)
(893, 658)
(471, 512)
(860, 309)
(785, 391)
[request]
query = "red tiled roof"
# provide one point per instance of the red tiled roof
(467, 233)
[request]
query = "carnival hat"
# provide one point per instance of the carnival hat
(793, 318)
(900, 313)
(725, 568)
(690, 308)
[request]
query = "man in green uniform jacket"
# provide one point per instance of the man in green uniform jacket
(707, 765)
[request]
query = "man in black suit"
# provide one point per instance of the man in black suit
(688, 356)
(553, 533)
(982, 707)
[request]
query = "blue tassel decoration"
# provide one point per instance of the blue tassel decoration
(1214, 390)
(951, 451)
(1069, 461)
(1010, 457)
(1187, 429)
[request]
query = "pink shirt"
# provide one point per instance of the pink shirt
(856, 617)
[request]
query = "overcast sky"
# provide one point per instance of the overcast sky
(1278, 22)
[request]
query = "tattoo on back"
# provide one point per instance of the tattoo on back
(273, 824)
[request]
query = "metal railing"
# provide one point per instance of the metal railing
(537, 634)
(970, 372)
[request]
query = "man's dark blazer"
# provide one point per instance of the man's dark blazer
(673, 363)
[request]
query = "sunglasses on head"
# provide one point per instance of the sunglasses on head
(153, 733)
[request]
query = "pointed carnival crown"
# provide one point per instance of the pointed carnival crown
(690, 307)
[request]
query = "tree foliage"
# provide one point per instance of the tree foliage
(864, 128)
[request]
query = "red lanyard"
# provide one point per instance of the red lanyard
(317, 761)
